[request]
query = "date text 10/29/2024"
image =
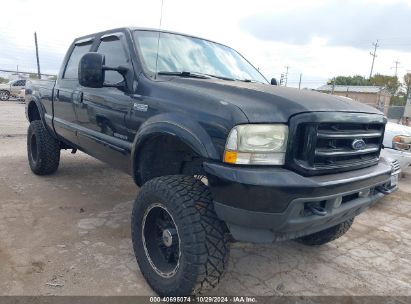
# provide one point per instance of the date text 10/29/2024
(204, 299)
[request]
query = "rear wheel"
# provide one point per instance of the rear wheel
(4, 95)
(43, 150)
(327, 235)
(179, 242)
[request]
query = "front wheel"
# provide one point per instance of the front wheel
(179, 242)
(4, 95)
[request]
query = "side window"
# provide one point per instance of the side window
(71, 71)
(18, 83)
(113, 50)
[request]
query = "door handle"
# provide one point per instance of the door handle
(78, 97)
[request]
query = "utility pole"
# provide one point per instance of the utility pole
(299, 83)
(37, 55)
(286, 74)
(396, 67)
(373, 56)
(408, 93)
(281, 79)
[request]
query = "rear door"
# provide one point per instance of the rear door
(102, 112)
(67, 94)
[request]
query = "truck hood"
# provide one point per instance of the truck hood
(267, 103)
(4, 86)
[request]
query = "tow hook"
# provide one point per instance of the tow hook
(317, 210)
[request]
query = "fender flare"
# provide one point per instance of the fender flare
(42, 112)
(39, 106)
(188, 131)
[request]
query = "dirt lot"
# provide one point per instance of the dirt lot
(68, 234)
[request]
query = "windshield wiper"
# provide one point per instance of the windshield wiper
(250, 80)
(233, 79)
(185, 74)
(202, 76)
(221, 77)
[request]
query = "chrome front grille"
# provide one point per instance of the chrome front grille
(322, 145)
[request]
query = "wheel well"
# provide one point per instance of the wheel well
(163, 155)
(33, 112)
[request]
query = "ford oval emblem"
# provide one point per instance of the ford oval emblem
(358, 144)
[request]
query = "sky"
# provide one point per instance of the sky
(319, 39)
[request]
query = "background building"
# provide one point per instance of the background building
(374, 96)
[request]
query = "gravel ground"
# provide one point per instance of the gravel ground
(68, 234)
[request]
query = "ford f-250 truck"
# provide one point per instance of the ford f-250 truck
(218, 151)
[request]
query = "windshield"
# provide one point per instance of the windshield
(179, 53)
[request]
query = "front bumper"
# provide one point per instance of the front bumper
(269, 204)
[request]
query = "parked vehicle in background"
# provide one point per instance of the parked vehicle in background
(11, 89)
(397, 143)
(215, 148)
(395, 165)
(22, 95)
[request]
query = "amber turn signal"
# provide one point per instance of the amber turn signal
(230, 157)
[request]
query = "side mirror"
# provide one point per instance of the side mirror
(274, 81)
(91, 70)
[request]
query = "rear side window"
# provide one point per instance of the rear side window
(115, 55)
(71, 71)
(19, 83)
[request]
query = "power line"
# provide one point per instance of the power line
(23, 72)
(373, 56)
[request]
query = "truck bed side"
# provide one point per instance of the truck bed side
(39, 100)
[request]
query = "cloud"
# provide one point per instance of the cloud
(349, 23)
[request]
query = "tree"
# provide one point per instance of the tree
(391, 83)
(54, 77)
(33, 76)
(407, 84)
(3, 80)
(398, 100)
(356, 80)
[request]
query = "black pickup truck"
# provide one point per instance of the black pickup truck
(219, 152)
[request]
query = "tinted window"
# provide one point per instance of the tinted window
(71, 71)
(19, 83)
(112, 48)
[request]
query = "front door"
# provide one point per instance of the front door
(101, 114)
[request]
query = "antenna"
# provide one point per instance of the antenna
(158, 38)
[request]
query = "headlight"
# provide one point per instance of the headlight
(256, 145)
(401, 143)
